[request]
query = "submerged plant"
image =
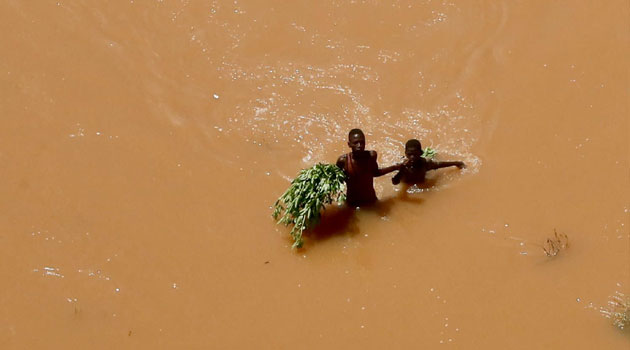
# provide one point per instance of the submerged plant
(429, 153)
(555, 244)
(302, 203)
(618, 310)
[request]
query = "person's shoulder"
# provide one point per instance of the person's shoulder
(429, 163)
(342, 159)
(373, 154)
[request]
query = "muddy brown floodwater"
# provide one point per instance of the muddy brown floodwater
(143, 142)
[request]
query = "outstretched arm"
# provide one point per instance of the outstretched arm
(387, 170)
(432, 165)
(382, 171)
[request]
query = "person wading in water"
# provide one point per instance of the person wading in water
(361, 168)
(414, 169)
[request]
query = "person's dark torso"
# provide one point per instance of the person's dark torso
(360, 169)
(414, 172)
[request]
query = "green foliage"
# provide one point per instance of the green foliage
(302, 203)
(429, 153)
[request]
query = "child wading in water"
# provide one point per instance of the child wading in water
(361, 168)
(414, 169)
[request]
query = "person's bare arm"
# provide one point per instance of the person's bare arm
(341, 162)
(382, 171)
(387, 170)
(396, 178)
(432, 165)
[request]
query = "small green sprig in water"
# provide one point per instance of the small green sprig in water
(429, 153)
(302, 203)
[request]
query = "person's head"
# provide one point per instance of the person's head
(356, 140)
(413, 149)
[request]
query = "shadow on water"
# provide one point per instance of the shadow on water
(335, 220)
(339, 220)
(343, 220)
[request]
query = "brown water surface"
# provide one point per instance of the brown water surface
(143, 142)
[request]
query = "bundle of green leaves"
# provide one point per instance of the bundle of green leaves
(302, 203)
(429, 153)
